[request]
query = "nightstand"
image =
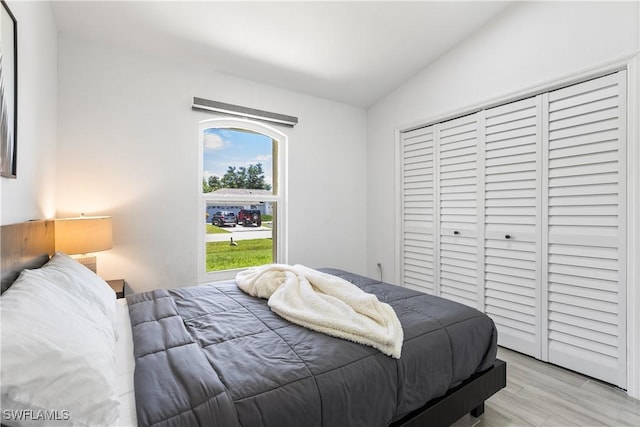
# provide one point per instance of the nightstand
(118, 287)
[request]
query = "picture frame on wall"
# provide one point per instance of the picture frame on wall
(8, 92)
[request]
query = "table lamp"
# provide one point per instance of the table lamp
(83, 235)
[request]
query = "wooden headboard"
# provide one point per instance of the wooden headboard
(24, 245)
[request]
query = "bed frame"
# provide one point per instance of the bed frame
(30, 244)
(466, 398)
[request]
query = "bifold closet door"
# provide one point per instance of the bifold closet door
(457, 180)
(417, 204)
(520, 210)
(585, 195)
(512, 238)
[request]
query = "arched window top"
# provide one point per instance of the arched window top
(240, 158)
(244, 124)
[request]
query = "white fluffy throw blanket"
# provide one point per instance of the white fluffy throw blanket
(325, 303)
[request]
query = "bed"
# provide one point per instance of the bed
(212, 355)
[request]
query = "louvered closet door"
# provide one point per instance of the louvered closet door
(585, 193)
(512, 223)
(458, 209)
(417, 151)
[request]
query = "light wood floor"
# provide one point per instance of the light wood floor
(541, 394)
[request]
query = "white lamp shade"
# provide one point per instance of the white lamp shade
(83, 235)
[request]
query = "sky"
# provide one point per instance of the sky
(230, 147)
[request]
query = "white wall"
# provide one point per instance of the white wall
(128, 147)
(528, 45)
(32, 194)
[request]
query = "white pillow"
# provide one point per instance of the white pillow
(54, 361)
(80, 282)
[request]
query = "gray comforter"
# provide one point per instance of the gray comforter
(214, 356)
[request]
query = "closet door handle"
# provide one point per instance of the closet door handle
(456, 232)
(507, 236)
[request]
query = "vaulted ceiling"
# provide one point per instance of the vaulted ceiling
(352, 52)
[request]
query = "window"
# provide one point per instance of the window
(242, 208)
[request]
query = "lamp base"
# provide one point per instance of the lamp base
(90, 262)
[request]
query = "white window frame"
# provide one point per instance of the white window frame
(281, 255)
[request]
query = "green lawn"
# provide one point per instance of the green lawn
(223, 256)
(212, 229)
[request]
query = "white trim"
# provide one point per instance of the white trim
(623, 262)
(281, 198)
(633, 228)
(232, 198)
(399, 229)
